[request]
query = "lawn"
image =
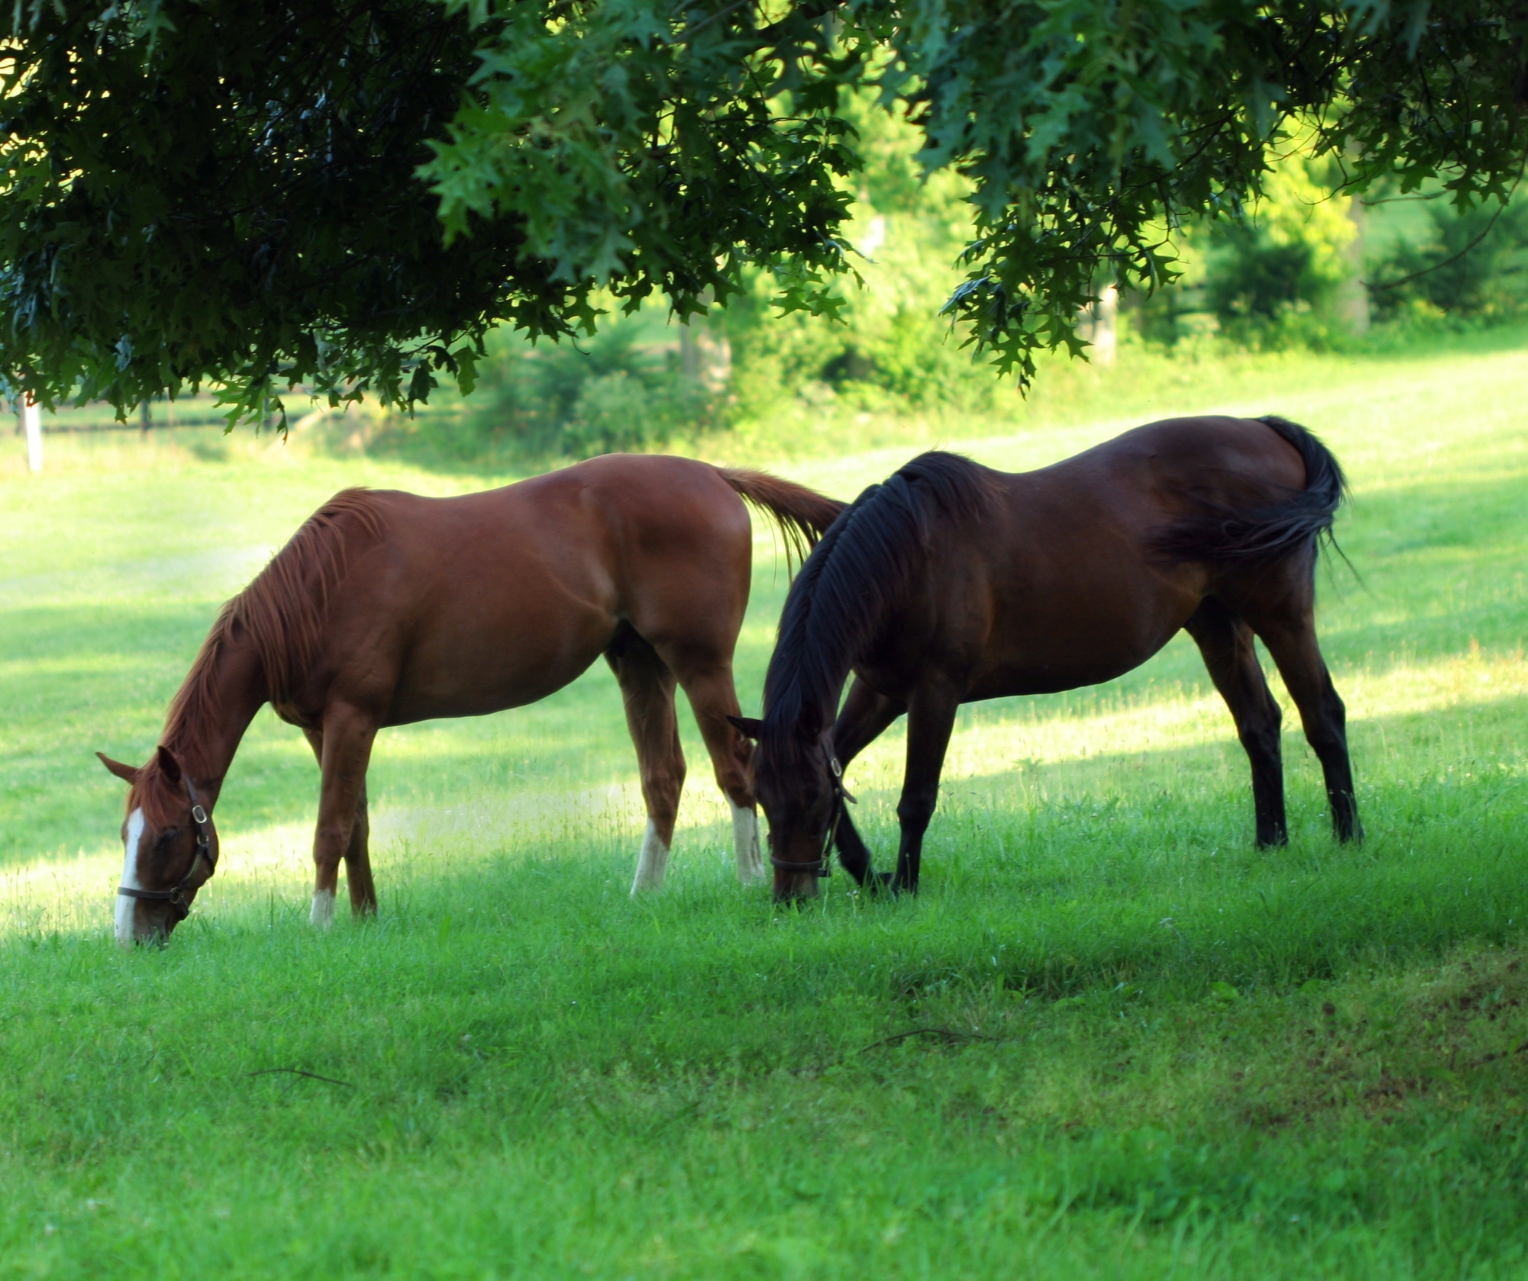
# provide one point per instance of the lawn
(1109, 1039)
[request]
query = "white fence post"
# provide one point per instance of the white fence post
(1105, 325)
(31, 423)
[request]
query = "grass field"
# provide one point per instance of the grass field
(1110, 1039)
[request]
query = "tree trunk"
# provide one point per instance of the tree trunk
(1105, 325)
(1353, 295)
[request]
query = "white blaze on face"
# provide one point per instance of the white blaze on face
(126, 907)
(745, 836)
(652, 862)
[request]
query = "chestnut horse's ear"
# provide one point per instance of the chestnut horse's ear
(168, 765)
(748, 726)
(125, 772)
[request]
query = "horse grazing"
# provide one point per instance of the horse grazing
(951, 583)
(387, 608)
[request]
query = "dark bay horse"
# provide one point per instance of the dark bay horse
(387, 608)
(951, 582)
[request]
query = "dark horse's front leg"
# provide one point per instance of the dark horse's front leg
(930, 719)
(864, 718)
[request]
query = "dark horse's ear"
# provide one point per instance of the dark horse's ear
(168, 765)
(125, 772)
(748, 726)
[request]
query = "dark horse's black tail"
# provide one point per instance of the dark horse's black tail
(842, 593)
(1267, 534)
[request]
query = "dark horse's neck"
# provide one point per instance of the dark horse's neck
(840, 600)
(209, 715)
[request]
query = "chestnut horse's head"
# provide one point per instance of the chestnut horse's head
(171, 847)
(800, 785)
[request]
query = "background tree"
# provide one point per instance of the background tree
(255, 194)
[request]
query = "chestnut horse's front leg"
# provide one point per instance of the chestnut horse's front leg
(346, 741)
(363, 890)
(930, 719)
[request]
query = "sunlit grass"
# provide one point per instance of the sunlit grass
(1110, 1039)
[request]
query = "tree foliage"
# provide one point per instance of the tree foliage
(349, 194)
(226, 191)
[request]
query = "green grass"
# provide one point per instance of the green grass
(1110, 1039)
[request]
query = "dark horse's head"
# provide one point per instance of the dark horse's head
(171, 847)
(835, 614)
(797, 781)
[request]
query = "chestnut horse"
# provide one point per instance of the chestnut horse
(952, 583)
(387, 608)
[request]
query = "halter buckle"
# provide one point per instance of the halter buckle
(176, 897)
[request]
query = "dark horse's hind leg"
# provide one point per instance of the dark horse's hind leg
(864, 718)
(1292, 642)
(363, 890)
(647, 687)
(1226, 642)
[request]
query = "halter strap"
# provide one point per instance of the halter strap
(823, 866)
(176, 897)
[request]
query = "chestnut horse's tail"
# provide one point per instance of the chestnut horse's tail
(802, 514)
(1295, 526)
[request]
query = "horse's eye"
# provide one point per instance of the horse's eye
(168, 835)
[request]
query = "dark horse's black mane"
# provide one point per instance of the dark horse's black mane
(840, 596)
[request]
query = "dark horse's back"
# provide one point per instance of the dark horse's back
(1078, 572)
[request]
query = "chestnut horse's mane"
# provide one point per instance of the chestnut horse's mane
(281, 614)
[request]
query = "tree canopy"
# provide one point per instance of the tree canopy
(350, 194)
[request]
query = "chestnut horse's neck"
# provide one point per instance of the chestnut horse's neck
(214, 706)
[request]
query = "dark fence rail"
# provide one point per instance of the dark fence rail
(191, 411)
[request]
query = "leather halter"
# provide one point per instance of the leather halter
(176, 897)
(824, 864)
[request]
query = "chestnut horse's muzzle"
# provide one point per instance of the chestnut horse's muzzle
(180, 906)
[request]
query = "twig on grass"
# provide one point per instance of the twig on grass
(312, 1076)
(946, 1034)
(1501, 1054)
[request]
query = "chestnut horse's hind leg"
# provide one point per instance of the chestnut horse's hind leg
(713, 698)
(344, 751)
(1226, 642)
(647, 687)
(1292, 642)
(363, 890)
